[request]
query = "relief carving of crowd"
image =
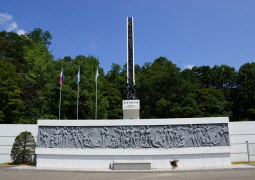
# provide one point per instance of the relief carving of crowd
(137, 137)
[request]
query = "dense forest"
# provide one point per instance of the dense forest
(30, 89)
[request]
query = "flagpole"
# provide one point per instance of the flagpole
(78, 101)
(59, 101)
(96, 102)
(96, 94)
(78, 82)
(61, 78)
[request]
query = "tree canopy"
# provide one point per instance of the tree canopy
(23, 148)
(30, 89)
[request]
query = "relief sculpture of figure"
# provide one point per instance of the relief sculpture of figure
(79, 135)
(130, 91)
(52, 140)
(165, 136)
(132, 137)
(148, 136)
(43, 137)
(57, 137)
(199, 135)
(121, 135)
(73, 133)
(170, 136)
(88, 142)
(137, 139)
(195, 132)
(175, 138)
(104, 137)
(64, 138)
(114, 143)
(180, 140)
(142, 133)
(156, 143)
(224, 134)
(127, 138)
(207, 138)
(190, 141)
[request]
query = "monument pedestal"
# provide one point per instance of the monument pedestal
(131, 109)
(102, 144)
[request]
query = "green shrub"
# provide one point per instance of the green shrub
(23, 148)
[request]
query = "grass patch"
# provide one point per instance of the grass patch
(7, 163)
(11, 163)
(243, 162)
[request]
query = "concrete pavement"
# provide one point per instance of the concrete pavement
(240, 172)
(232, 167)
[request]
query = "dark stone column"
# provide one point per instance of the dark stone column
(130, 88)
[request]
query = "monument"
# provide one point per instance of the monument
(133, 144)
(130, 106)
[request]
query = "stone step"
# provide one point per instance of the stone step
(131, 166)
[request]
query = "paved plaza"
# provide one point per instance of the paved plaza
(242, 172)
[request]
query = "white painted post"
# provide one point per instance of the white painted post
(248, 151)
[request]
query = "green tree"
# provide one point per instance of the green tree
(11, 104)
(212, 103)
(187, 105)
(206, 76)
(245, 95)
(39, 36)
(30, 55)
(113, 89)
(87, 94)
(158, 88)
(87, 104)
(23, 148)
(205, 102)
(11, 49)
(37, 59)
(224, 76)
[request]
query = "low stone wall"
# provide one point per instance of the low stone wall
(240, 132)
(196, 142)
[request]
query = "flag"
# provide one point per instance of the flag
(61, 77)
(78, 78)
(96, 76)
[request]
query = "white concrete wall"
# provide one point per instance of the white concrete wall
(159, 158)
(240, 132)
(8, 133)
(157, 161)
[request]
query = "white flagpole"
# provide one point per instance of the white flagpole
(78, 82)
(78, 101)
(60, 81)
(96, 102)
(96, 94)
(59, 101)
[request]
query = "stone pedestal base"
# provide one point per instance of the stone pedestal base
(131, 109)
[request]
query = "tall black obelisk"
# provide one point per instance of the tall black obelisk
(130, 106)
(130, 88)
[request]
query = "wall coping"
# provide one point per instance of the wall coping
(133, 122)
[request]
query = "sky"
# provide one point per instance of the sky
(187, 32)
